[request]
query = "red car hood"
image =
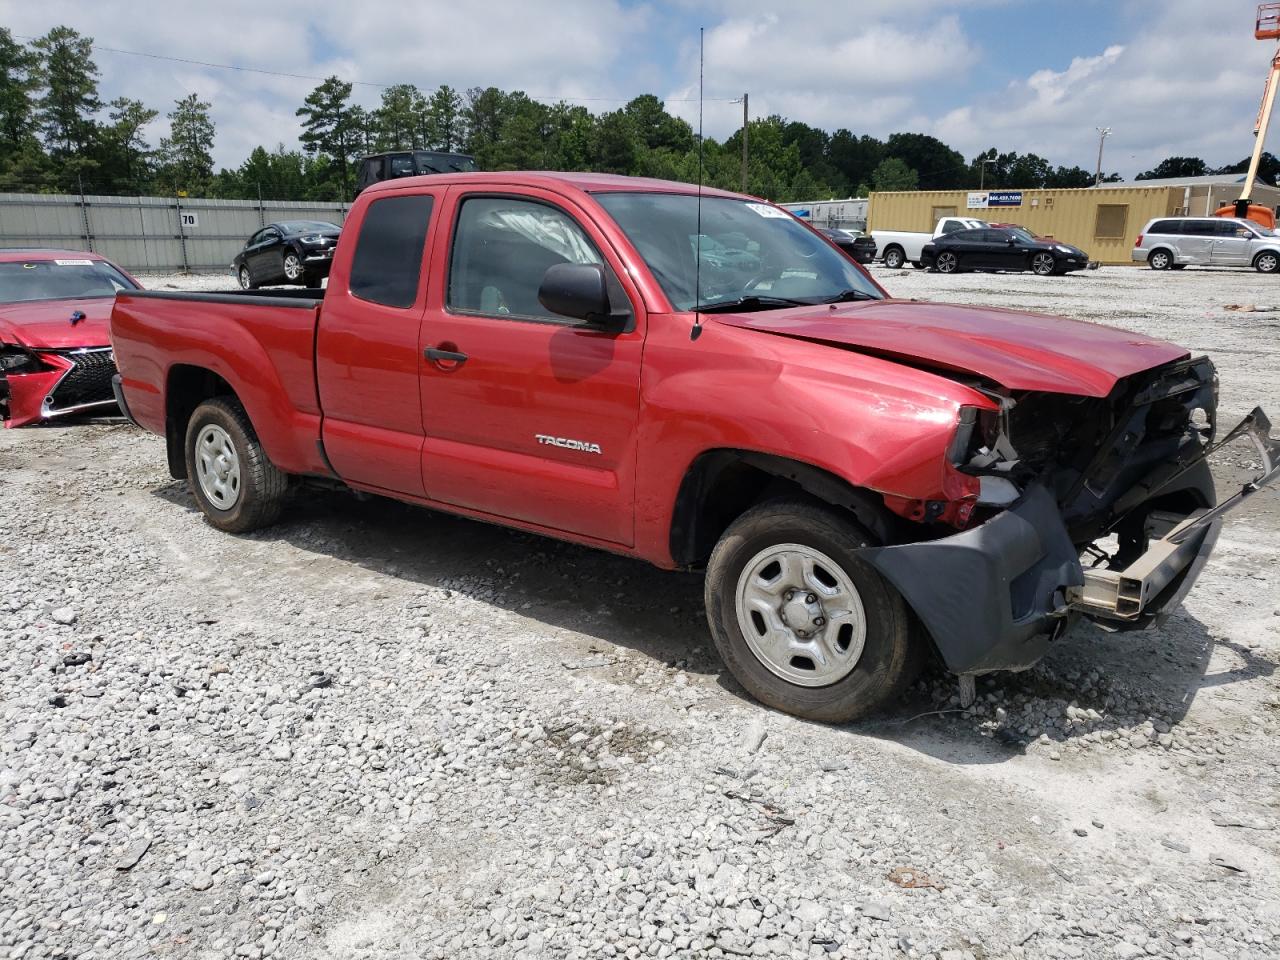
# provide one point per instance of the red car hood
(46, 324)
(1020, 351)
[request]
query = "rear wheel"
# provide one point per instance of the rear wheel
(894, 258)
(237, 488)
(1266, 262)
(1160, 260)
(800, 621)
(246, 280)
(946, 262)
(1043, 264)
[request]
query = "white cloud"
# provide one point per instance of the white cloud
(1184, 82)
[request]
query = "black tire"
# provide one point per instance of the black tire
(894, 257)
(246, 281)
(1266, 262)
(946, 262)
(1177, 266)
(292, 267)
(261, 487)
(1160, 259)
(1043, 264)
(890, 656)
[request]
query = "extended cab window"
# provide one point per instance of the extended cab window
(388, 260)
(502, 246)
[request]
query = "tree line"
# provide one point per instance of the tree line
(56, 135)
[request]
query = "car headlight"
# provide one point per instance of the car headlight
(313, 238)
(1062, 248)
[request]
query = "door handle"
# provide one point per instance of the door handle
(445, 359)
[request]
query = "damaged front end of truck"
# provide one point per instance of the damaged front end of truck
(1098, 507)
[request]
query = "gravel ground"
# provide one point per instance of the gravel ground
(378, 732)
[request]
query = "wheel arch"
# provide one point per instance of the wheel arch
(186, 387)
(1162, 249)
(1262, 253)
(722, 484)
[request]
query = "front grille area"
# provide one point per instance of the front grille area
(89, 381)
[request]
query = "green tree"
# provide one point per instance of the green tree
(328, 129)
(70, 80)
(894, 174)
(125, 157)
(616, 144)
(1068, 178)
(186, 154)
(938, 166)
(19, 78)
(396, 118)
(441, 120)
(484, 111)
(1175, 167)
(855, 158)
(656, 128)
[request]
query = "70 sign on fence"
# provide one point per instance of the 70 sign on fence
(189, 220)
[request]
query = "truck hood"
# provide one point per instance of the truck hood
(1019, 351)
(46, 324)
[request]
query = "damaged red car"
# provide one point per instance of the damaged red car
(55, 359)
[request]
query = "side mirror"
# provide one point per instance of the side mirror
(579, 290)
(1011, 241)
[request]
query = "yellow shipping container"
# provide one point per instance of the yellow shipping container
(1103, 223)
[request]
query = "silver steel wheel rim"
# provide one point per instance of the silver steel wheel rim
(244, 277)
(946, 262)
(1043, 264)
(893, 259)
(801, 615)
(292, 267)
(217, 466)
(1160, 261)
(1267, 263)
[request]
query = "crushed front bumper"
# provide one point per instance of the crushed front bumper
(995, 597)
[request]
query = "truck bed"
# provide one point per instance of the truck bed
(262, 343)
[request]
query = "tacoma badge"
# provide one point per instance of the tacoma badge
(568, 444)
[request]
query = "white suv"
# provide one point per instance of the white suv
(1170, 243)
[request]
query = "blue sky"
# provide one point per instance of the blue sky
(1169, 76)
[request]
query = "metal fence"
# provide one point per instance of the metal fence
(149, 234)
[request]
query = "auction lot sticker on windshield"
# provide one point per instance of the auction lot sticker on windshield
(74, 263)
(767, 211)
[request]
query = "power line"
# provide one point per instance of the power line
(363, 83)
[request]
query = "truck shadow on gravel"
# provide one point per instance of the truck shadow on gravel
(1092, 684)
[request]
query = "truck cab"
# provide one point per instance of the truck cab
(410, 163)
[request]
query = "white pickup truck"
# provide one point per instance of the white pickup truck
(896, 247)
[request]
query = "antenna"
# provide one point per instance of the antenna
(696, 332)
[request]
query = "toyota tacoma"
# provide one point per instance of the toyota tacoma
(697, 379)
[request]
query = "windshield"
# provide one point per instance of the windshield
(748, 251)
(69, 279)
(309, 226)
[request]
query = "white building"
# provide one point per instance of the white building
(849, 214)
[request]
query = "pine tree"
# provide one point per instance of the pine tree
(70, 78)
(188, 161)
(328, 127)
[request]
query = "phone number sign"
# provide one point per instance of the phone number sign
(995, 198)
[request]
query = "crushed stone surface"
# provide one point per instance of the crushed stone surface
(378, 732)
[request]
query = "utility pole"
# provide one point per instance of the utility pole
(982, 172)
(1103, 133)
(743, 101)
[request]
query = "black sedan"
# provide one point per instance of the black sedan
(291, 251)
(857, 245)
(1007, 248)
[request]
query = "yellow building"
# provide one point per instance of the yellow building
(1103, 223)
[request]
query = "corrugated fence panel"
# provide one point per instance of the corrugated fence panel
(144, 234)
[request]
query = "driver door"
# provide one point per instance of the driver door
(528, 416)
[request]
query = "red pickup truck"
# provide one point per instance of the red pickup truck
(706, 382)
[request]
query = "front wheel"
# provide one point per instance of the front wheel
(292, 267)
(1266, 262)
(946, 262)
(800, 621)
(236, 487)
(1043, 264)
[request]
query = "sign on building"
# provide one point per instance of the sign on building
(995, 198)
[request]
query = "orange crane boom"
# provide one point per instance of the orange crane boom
(1266, 27)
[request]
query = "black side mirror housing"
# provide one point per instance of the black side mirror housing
(1011, 241)
(580, 291)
